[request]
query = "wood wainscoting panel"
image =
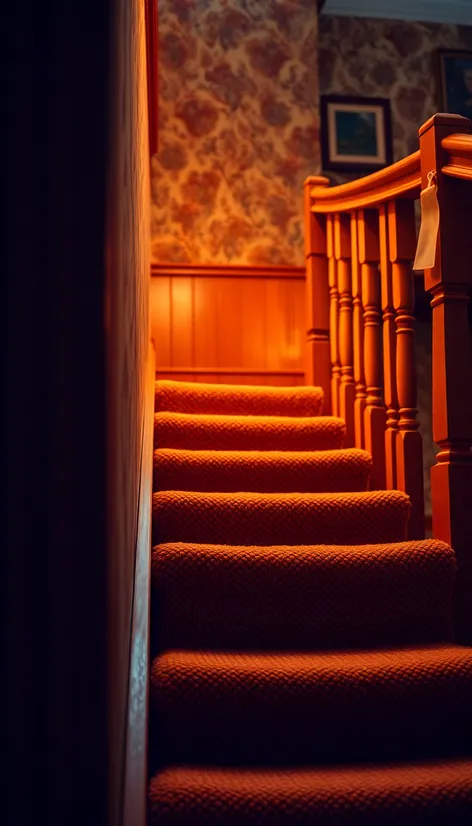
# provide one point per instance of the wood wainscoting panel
(229, 324)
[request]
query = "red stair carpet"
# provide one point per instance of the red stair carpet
(304, 671)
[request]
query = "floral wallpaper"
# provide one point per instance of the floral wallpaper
(393, 59)
(390, 59)
(238, 130)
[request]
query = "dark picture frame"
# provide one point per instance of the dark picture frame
(454, 76)
(356, 133)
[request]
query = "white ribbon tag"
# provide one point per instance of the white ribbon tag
(425, 257)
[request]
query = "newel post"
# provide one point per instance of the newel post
(318, 368)
(449, 282)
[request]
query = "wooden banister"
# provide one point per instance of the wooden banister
(318, 367)
(333, 316)
(358, 337)
(347, 389)
(364, 259)
(369, 257)
(409, 458)
(401, 179)
(389, 352)
(459, 149)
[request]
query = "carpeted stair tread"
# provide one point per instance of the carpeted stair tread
(410, 794)
(280, 518)
(327, 471)
(212, 432)
(245, 400)
(304, 708)
(332, 596)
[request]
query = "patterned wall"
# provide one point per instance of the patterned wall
(238, 130)
(393, 59)
(389, 59)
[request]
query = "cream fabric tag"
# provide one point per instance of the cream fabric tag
(427, 239)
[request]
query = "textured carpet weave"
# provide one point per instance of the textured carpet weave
(214, 707)
(329, 471)
(224, 597)
(420, 794)
(200, 432)
(303, 668)
(280, 518)
(246, 400)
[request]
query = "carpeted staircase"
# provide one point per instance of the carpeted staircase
(303, 666)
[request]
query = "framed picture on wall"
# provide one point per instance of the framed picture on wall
(355, 133)
(454, 70)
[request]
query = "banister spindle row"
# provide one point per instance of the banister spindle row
(364, 257)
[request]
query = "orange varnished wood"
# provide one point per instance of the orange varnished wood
(160, 318)
(318, 363)
(358, 337)
(389, 353)
(228, 271)
(369, 255)
(401, 178)
(347, 387)
(333, 316)
(449, 283)
(459, 150)
(206, 321)
(409, 443)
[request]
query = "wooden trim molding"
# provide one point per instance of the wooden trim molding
(227, 371)
(227, 271)
(135, 764)
(152, 72)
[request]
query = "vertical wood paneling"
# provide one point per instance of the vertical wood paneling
(254, 324)
(182, 321)
(205, 325)
(226, 328)
(160, 310)
(229, 300)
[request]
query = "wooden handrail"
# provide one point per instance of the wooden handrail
(400, 179)
(459, 149)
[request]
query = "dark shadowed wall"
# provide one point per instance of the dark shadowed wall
(76, 336)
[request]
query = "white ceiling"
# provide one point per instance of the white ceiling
(440, 11)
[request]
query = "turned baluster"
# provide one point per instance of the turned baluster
(347, 387)
(449, 282)
(318, 368)
(389, 354)
(402, 247)
(358, 337)
(333, 317)
(374, 417)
